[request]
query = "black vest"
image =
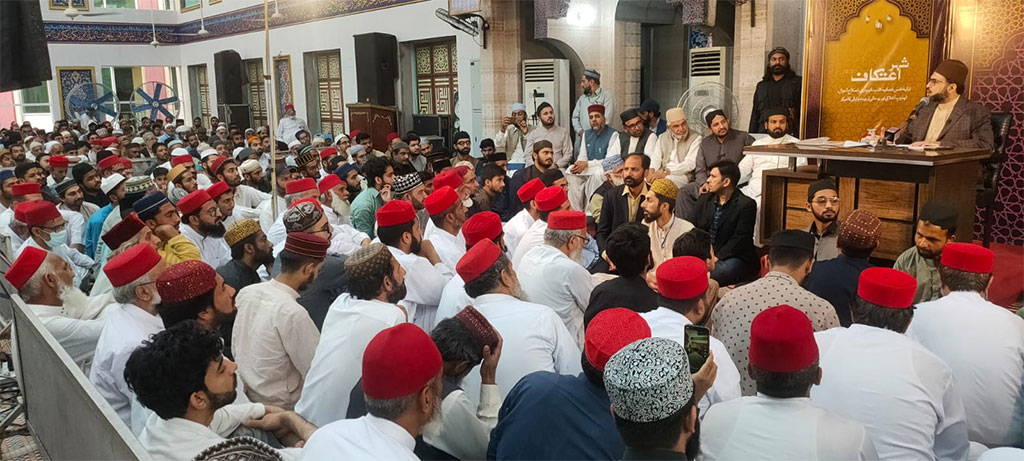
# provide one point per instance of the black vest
(624, 138)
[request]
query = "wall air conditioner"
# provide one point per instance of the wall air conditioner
(547, 80)
(712, 64)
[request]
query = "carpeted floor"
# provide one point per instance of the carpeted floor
(1009, 275)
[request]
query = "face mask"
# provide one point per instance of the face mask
(57, 239)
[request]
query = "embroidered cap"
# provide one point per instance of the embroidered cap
(648, 380)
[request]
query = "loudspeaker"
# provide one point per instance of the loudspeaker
(432, 125)
(235, 113)
(376, 68)
(230, 77)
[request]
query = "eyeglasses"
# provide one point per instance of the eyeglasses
(932, 81)
(59, 228)
(631, 125)
(823, 200)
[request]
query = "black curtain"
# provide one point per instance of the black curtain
(24, 58)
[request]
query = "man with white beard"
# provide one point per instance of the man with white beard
(676, 155)
(752, 166)
(45, 282)
(289, 125)
(556, 277)
(402, 385)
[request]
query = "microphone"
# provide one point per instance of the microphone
(920, 104)
(893, 134)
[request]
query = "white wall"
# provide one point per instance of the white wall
(408, 23)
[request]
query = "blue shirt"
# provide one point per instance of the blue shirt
(556, 417)
(93, 229)
(835, 280)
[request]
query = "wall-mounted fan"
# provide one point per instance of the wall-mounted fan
(706, 97)
(155, 99)
(90, 102)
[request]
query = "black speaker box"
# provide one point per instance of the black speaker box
(230, 77)
(376, 68)
(235, 113)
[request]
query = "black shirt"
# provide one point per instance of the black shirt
(629, 292)
(656, 453)
(835, 280)
(770, 94)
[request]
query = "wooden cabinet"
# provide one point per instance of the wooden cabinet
(377, 121)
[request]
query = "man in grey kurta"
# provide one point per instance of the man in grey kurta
(724, 143)
(561, 144)
(592, 94)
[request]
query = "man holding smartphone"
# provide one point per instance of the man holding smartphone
(681, 285)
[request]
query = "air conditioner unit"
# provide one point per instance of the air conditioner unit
(712, 64)
(547, 80)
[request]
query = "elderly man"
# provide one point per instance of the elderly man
(397, 228)
(823, 204)
(682, 283)
(593, 94)
(654, 399)
(274, 337)
(981, 342)
(46, 283)
(481, 226)
(790, 260)
(376, 284)
(948, 119)
(182, 376)
(723, 144)
(512, 137)
(289, 125)
(447, 214)
(591, 148)
(204, 227)
(901, 392)
(555, 276)
(402, 385)
(535, 339)
(561, 144)
(635, 137)
(133, 274)
(835, 280)
(552, 416)
(781, 420)
(46, 229)
(936, 227)
(676, 155)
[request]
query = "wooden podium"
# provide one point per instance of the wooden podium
(893, 183)
(377, 121)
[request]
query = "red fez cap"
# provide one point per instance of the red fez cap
(329, 182)
(485, 225)
(448, 178)
(550, 198)
(186, 280)
(394, 213)
(477, 260)
(299, 185)
(887, 287)
(353, 134)
(481, 330)
(133, 263)
(461, 171)
(181, 160)
(26, 188)
(26, 265)
(38, 212)
(109, 141)
(529, 190)
(218, 163)
(289, 106)
(399, 361)
(308, 245)
(567, 220)
(611, 330)
(96, 142)
(782, 340)
(59, 162)
(193, 202)
(126, 162)
(122, 231)
(109, 162)
(684, 277)
(392, 136)
(328, 152)
(596, 108)
(968, 257)
(216, 189)
(440, 200)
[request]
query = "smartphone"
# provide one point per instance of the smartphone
(697, 343)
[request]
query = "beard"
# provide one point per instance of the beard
(518, 293)
(399, 292)
(264, 257)
(306, 283)
(826, 216)
(577, 256)
(928, 254)
(588, 91)
(233, 182)
(617, 181)
(938, 98)
(74, 302)
(776, 133)
(651, 217)
(631, 181)
(216, 230)
(415, 246)
(432, 430)
(220, 400)
(340, 207)
(352, 192)
(779, 69)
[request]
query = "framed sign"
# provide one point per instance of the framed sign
(81, 5)
(68, 78)
(189, 5)
(283, 83)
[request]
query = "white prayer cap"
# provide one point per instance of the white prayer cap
(138, 140)
(181, 129)
(49, 146)
(294, 143)
(235, 152)
(180, 152)
(207, 153)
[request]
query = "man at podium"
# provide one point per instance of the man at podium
(949, 119)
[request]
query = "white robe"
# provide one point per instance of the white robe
(535, 339)
(81, 264)
(533, 237)
(337, 364)
(179, 438)
(794, 428)
(551, 279)
(423, 284)
(678, 156)
(453, 300)
(78, 336)
(515, 228)
(446, 245)
(752, 167)
(984, 346)
(213, 250)
(368, 437)
(126, 328)
(903, 394)
(669, 324)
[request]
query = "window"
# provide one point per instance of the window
(437, 77)
(257, 91)
(35, 100)
(200, 94)
(328, 79)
